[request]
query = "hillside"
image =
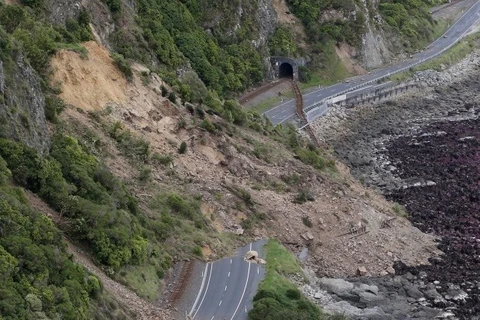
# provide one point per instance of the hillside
(117, 131)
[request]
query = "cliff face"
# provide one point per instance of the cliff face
(22, 104)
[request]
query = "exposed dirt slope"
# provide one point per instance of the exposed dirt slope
(216, 164)
(88, 83)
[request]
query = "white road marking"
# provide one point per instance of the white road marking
(220, 303)
(246, 309)
(206, 289)
(201, 288)
(244, 288)
(229, 274)
(212, 318)
(225, 288)
(230, 261)
(258, 270)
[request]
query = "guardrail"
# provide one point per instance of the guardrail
(323, 101)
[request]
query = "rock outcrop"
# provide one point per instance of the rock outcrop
(22, 104)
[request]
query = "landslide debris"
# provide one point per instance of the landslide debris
(247, 180)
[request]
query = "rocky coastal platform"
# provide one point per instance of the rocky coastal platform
(423, 152)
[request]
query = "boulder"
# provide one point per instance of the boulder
(346, 309)
(365, 288)
(413, 292)
(251, 255)
(339, 287)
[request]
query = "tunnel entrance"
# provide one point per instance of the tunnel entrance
(285, 70)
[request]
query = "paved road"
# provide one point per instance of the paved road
(228, 287)
(286, 111)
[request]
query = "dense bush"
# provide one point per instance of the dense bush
(174, 35)
(39, 280)
(38, 39)
(411, 18)
(74, 183)
(282, 43)
(349, 29)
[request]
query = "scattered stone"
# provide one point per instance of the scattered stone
(390, 270)
(362, 271)
(308, 236)
(239, 231)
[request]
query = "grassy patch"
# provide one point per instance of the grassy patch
(332, 71)
(75, 47)
(277, 297)
(456, 53)
(399, 210)
(144, 279)
(266, 104)
(280, 261)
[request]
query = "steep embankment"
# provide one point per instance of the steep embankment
(217, 166)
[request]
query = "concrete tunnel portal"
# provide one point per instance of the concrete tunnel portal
(284, 67)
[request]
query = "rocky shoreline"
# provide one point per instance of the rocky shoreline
(421, 150)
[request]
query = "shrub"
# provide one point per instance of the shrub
(164, 90)
(197, 250)
(183, 148)
(172, 97)
(207, 125)
(123, 65)
(303, 196)
(53, 107)
(293, 294)
(145, 174)
(162, 159)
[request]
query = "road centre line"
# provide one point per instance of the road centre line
(244, 288)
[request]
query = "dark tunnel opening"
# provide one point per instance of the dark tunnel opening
(286, 70)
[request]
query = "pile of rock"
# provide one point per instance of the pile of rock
(252, 256)
(383, 298)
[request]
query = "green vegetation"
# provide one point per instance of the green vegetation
(278, 298)
(282, 43)
(411, 19)
(266, 104)
(326, 72)
(183, 148)
(133, 147)
(101, 211)
(123, 65)
(312, 157)
(303, 196)
(456, 53)
(37, 39)
(399, 210)
(174, 35)
(322, 30)
(39, 280)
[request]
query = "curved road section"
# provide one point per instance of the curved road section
(228, 287)
(315, 99)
